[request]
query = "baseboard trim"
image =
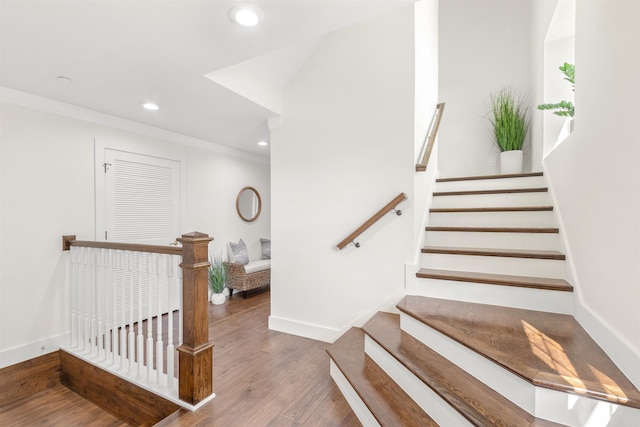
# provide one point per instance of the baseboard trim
(32, 350)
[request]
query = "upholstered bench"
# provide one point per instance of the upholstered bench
(244, 275)
(250, 276)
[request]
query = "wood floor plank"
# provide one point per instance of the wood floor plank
(27, 378)
(56, 406)
(547, 349)
(496, 279)
(477, 402)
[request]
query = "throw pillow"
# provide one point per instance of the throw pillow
(266, 248)
(239, 254)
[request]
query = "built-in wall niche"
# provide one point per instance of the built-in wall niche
(559, 47)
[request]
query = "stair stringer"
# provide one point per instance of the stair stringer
(616, 347)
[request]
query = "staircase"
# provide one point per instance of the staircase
(486, 336)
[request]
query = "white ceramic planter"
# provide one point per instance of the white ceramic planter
(217, 299)
(511, 162)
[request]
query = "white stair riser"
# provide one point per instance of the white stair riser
(357, 405)
(496, 265)
(492, 184)
(492, 200)
(493, 219)
(496, 240)
(504, 382)
(508, 296)
(553, 405)
(423, 395)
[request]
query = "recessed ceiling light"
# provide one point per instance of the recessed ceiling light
(247, 16)
(150, 106)
(263, 143)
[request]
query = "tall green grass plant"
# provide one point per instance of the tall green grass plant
(509, 119)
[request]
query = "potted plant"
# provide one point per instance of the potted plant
(510, 126)
(564, 108)
(217, 278)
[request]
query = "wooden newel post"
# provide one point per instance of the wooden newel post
(195, 357)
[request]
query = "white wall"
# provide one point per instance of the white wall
(346, 149)
(484, 45)
(595, 175)
(47, 190)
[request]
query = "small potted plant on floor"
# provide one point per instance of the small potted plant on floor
(217, 278)
(510, 126)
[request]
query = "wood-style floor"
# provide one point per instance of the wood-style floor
(260, 377)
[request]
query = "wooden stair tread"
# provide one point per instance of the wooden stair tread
(509, 253)
(546, 349)
(494, 209)
(474, 400)
(497, 279)
(497, 229)
(479, 177)
(389, 403)
(498, 191)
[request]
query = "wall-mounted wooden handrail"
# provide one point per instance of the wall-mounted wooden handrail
(68, 241)
(368, 223)
(430, 139)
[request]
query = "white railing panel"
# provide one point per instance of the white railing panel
(124, 308)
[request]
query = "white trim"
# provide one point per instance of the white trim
(430, 402)
(40, 103)
(33, 349)
(329, 334)
(355, 402)
(621, 352)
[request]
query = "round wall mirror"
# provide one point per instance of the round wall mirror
(249, 204)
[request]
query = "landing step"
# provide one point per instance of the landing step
(546, 349)
(500, 191)
(389, 404)
(473, 178)
(494, 209)
(474, 400)
(508, 253)
(497, 279)
(497, 229)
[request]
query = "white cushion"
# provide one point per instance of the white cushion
(253, 266)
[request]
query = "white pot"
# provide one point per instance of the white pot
(511, 162)
(217, 299)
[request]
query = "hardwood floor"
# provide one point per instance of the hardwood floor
(260, 377)
(263, 377)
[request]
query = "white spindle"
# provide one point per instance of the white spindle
(170, 347)
(159, 311)
(149, 282)
(86, 344)
(94, 301)
(130, 285)
(74, 296)
(140, 341)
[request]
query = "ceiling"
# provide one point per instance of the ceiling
(186, 56)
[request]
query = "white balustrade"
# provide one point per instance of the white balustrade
(122, 302)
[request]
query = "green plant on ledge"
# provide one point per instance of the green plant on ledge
(565, 108)
(509, 119)
(217, 275)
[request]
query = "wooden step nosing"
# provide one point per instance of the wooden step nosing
(493, 209)
(441, 250)
(532, 230)
(489, 192)
(483, 177)
(529, 375)
(498, 279)
(456, 399)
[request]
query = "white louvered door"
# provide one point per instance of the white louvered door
(142, 198)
